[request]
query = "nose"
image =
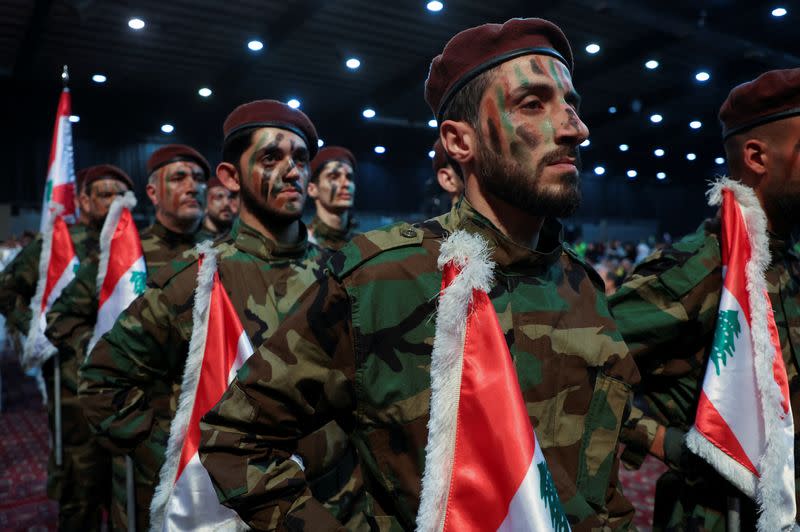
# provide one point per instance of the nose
(571, 129)
(294, 171)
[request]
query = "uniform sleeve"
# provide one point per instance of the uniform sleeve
(71, 319)
(18, 286)
(294, 384)
(119, 376)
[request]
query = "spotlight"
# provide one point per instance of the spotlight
(652, 64)
(599, 170)
(294, 103)
(691, 156)
(432, 123)
(368, 113)
(74, 119)
(431, 154)
(205, 92)
(632, 174)
(779, 12)
(255, 45)
(167, 128)
(320, 143)
(702, 76)
(658, 152)
(624, 147)
(352, 63)
(612, 110)
(136, 24)
(719, 160)
(661, 176)
(435, 6)
(380, 149)
(99, 78)
(695, 124)
(593, 48)
(656, 118)
(585, 143)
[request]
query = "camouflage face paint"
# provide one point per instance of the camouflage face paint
(522, 79)
(555, 75)
(536, 66)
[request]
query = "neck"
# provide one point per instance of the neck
(332, 219)
(518, 225)
(286, 234)
(211, 226)
(182, 227)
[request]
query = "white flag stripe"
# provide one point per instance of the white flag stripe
(66, 276)
(740, 381)
(527, 511)
(61, 171)
(243, 352)
(119, 300)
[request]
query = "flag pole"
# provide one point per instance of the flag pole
(130, 489)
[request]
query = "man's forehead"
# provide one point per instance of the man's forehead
(536, 66)
(283, 138)
(189, 166)
(108, 182)
(345, 167)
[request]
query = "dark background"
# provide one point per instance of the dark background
(154, 75)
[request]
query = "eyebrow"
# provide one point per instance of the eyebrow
(545, 90)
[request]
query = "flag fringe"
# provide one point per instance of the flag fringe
(33, 342)
(471, 254)
(127, 201)
(768, 494)
(191, 377)
(726, 466)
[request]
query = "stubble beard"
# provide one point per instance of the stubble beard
(267, 215)
(516, 186)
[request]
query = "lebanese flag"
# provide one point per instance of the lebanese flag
(60, 185)
(122, 273)
(484, 468)
(743, 426)
(185, 498)
(57, 265)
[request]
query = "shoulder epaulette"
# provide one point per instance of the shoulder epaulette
(368, 245)
(590, 271)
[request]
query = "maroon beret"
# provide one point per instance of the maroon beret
(272, 113)
(478, 49)
(105, 171)
(772, 96)
(332, 153)
(214, 182)
(172, 153)
(439, 156)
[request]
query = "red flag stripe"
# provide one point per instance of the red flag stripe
(710, 423)
(734, 237)
(61, 255)
(64, 109)
(125, 250)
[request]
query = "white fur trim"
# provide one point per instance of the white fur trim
(32, 354)
(726, 466)
(774, 458)
(471, 253)
(191, 376)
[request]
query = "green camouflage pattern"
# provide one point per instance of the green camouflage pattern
(131, 381)
(667, 313)
(329, 238)
(19, 278)
(357, 351)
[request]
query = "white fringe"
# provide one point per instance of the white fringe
(774, 458)
(127, 201)
(471, 254)
(35, 351)
(191, 376)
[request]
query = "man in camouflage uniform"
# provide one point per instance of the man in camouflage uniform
(222, 208)
(358, 348)
(332, 187)
(265, 264)
(83, 479)
(446, 174)
(177, 176)
(667, 309)
(19, 278)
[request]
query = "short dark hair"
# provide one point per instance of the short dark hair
(235, 145)
(465, 106)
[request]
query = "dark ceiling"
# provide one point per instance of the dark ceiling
(153, 75)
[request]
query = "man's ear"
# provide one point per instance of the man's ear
(226, 172)
(755, 156)
(313, 190)
(84, 203)
(446, 178)
(150, 190)
(459, 140)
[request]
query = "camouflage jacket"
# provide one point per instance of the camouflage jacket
(358, 350)
(142, 358)
(327, 237)
(19, 278)
(667, 312)
(160, 245)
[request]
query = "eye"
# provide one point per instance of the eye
(532, 103)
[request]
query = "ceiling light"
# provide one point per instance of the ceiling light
(656, 118)
(599, 170)
(658, 152)
(779, 12)
(205, 92)
(593, 48)
(719, 160)
(612, 110)
(352, 63)
(702, 76)
(380, 149)
(435, 6)
(695, 124)
(432, 123)
(99, 78)
(652, 64)
(320, 143)
(632, 173)
(74, 119)
(661, 176)
(691, 156)
(623, 147)
(136, 23)
(368, 113)
(255, 45)
(586, 143)
(431, 154)
(294, 103)
(167, 128)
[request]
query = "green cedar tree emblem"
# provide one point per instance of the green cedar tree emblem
(138, 280)
(550, 498)
(728, 329)
(48, 191)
